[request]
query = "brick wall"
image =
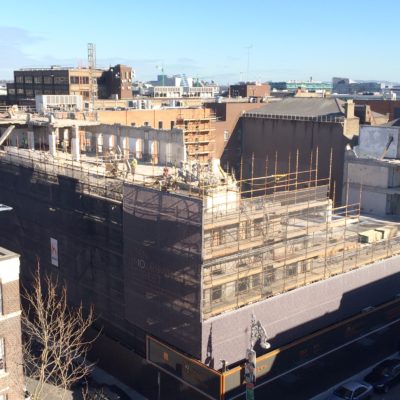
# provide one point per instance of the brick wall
(12, 379)
(11, 300)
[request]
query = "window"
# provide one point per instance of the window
(216, 237)
(19, 79)
(160, 124)
(74, 80)
(245, 230)
(11, 91)
(20, 91)
(37, 79)
(216, 293)
(258, 227)
(38, 91)
(60, 80)
(2, 360)
(29, 93)
(146, 123)
(242, 285)
(256, 280)
(269, 275)
(28, 79)
(291, 270)
(217, 270)
(48, 80)
(172, 124)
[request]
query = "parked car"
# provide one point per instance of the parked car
(384, 375)
(352, 390)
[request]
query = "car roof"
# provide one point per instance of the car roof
(353, 385)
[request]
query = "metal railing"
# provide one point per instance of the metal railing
(266, 280)
(293, 117)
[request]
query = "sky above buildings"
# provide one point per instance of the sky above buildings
(224, 40)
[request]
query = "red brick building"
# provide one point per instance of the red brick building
(11, 372)
(250, 90)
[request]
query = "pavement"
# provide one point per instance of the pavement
(99, 377)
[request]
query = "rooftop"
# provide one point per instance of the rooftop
(7, 254)
(394, 122)
(303, 107)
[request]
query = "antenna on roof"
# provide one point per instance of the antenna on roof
(248, 48)
(91, 47)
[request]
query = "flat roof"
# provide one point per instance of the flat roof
(36, 120)
(303, 107)
(7, 254)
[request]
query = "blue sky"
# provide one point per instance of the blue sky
(289, 39)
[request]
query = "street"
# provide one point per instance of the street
(315, 380)
(394, 394)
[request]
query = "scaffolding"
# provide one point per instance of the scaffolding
(277, 233)
(259, 236)
(198, 135)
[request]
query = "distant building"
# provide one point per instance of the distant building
(345, 86)
(250, 90)
(30, 82)
(271, 136)
(387, 107)
(181, 91)
(372, 170)
(369, 117)
(341, 85)
(52, 102)
(278, 85)
(311, 86)
(166, 91)
(117, 82)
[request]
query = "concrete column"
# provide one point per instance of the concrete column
(108, 141)
(53, 141)
(65, 141)
(146, 151)
(99, 143)
(124, 143)
(139, 148)
(154, 151)
(132, 146)
(31, 140)
(75, 144)
(58, 137)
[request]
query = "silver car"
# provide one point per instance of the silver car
(352, 390)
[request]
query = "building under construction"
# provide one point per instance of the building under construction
(178, 258)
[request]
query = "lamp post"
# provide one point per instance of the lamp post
(257, 332)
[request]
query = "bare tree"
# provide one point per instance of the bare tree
(55, 347)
